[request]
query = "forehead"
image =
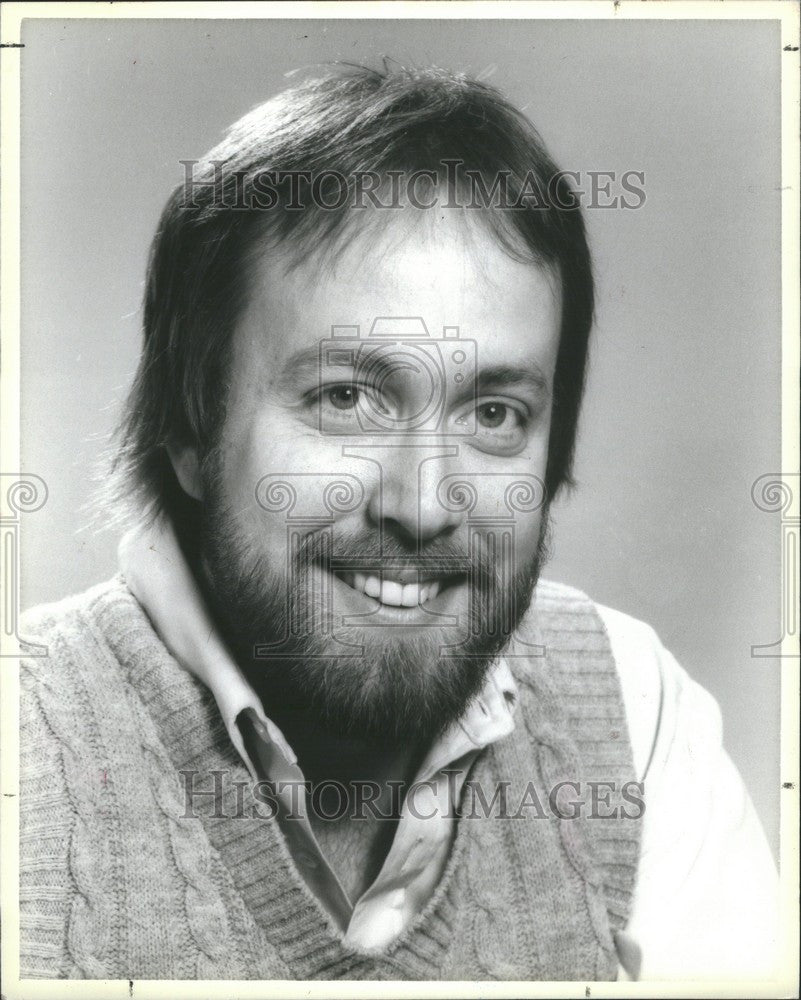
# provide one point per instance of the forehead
(448, 272)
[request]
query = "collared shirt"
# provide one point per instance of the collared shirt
(705, 904)
(419, 849)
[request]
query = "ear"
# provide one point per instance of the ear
(186, 466)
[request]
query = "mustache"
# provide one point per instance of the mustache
(376, 553)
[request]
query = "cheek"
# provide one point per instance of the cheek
(512, 494)
(528, 535)
(278, 473)
(269, 444)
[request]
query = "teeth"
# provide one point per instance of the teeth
(390, 592)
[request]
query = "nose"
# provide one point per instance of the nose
(405, 501)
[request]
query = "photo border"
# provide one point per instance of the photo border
(11, 16)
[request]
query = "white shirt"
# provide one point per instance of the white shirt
(706, 899)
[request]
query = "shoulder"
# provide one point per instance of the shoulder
(81, 622)
(57, 617)
(658, 693)
(73, 668)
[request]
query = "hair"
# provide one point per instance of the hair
(346, 121)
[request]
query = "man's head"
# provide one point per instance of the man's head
(356, 497)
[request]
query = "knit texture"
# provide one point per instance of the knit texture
(117, 882)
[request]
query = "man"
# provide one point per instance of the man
(330, 723)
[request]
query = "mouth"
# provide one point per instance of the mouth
(400, 588)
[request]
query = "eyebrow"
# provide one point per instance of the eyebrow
(306, 363)
(499, 376)
(299, 366)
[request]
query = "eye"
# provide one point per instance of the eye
(343, 397)
(491, 415)
(501, 427)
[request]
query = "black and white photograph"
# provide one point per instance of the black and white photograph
(400, 499)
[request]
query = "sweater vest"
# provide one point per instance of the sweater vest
(118, 882)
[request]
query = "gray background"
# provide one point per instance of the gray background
(682, 412)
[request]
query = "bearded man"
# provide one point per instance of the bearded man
(328, 722)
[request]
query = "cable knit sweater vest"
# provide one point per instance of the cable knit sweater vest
(116, 884)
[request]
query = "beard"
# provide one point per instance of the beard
(385, 686)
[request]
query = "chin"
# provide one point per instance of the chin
(390, 686)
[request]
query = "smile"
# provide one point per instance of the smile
(396, 592)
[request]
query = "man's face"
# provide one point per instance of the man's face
(374, 513)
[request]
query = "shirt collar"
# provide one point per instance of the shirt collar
(488, 718)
